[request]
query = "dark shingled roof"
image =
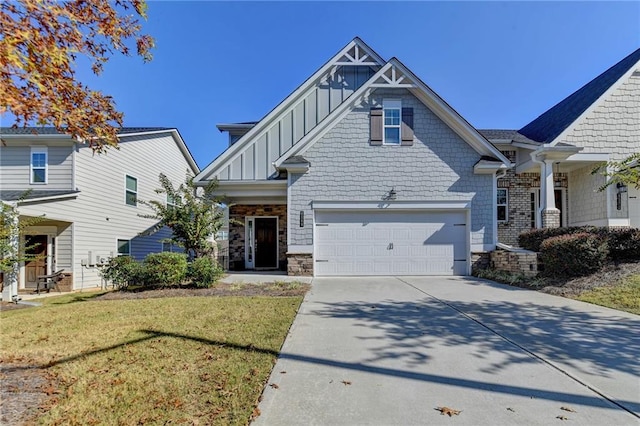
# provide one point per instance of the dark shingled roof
(296, 159)
(15, 195)
(53, 131)
(549, 125)
(498, 134)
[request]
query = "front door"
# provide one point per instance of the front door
(36, 252)
(266, 242)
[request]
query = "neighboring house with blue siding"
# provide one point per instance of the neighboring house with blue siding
(89, 201)
(364, 170)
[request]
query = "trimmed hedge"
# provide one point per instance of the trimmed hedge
(204, 272)
(624, 243)
(165, 269)
(573, 255)
(532, 240)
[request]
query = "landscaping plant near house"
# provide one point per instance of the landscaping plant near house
(165, 269)
(573, 255)
(123, 271)
(204, 272)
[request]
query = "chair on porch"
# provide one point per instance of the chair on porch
(49, 281)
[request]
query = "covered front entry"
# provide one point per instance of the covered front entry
(37, 255)
(390, 243)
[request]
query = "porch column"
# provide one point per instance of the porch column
(550, 214)
(10, 286)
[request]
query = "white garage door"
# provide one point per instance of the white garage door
(390, 243)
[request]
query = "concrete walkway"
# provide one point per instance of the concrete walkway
(391, 350)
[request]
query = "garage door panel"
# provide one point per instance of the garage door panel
(390, 243)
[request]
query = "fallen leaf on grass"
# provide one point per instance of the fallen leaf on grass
(511, 409)
(283, 372)
(569, 409)
(255, 413)
(448, 411)
(562, 418)
(273, 385)
(346, 382)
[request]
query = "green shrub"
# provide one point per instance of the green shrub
(532, 240)
(573, 255)
(204, 272)
(123, 271)
(623, 243)
(165, 269)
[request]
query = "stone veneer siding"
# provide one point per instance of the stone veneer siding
(516, 262)
(300, 264)
(519, 186)
(438, 167)
(236, 231)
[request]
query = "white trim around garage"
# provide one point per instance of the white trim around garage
(392, 205)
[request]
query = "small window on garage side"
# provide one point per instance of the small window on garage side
(124, 247)
(501, 203)
(392, 113)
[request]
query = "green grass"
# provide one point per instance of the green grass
(624, 296)
(192, 360)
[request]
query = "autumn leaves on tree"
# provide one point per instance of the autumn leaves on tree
(41, 40)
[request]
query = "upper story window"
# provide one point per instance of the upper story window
(392, 113)
(502, 203)
(171, 201)
(131, 190)
(39, 160)
(124, 248)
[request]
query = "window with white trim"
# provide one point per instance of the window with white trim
(171, 201)
(39, 160)
(392, 121)
(124, 247)
(502, 204)
(131, 191)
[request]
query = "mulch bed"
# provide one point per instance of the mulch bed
(608, 276)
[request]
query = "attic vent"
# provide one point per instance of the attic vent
(636, 73)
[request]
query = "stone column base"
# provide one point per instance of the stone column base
(551, 218)
(300, 264)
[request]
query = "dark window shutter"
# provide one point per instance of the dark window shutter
(407, 126)
(375, 123)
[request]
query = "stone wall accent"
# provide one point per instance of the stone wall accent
(237, 213)
(300, 264)
(480, 261)
(551, 218)
(516, 262)
(66, 283)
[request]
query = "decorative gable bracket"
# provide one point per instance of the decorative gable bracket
(395, 78)
(359, 55)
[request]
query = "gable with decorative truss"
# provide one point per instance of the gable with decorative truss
(252, 156)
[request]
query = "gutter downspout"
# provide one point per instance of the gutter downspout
(498, 174)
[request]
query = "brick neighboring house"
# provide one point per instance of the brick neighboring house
(364, 170)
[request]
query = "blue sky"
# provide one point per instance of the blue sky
(499, 64)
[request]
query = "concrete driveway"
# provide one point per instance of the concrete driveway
(391, 350)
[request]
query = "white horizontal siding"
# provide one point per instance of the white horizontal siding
(15, 167)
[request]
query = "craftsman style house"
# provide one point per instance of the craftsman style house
(364, 170)
(89, 202)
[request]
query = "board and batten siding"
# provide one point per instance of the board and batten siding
(255, 161)
(99, 214)
(346, 167)
(15, 167)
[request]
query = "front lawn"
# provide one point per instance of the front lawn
(185, 360)
(624, 296)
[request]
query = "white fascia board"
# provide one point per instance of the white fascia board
(36, 136)
(531, 146)
(267, 188)
(263, 125)
(295, 167)
(391, 205)
(594, 105)
(484, 167)
(50, 198)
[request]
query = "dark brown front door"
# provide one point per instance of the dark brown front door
(266, 249)
(558, 197)
(36, 251)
